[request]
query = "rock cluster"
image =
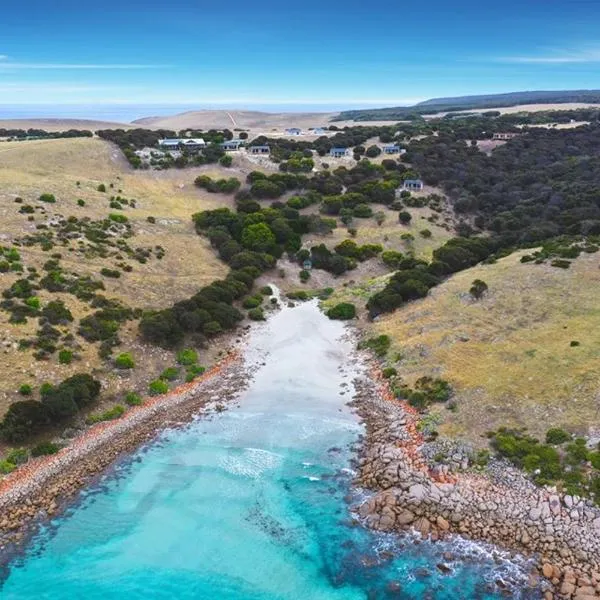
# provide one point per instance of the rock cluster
(503, 508)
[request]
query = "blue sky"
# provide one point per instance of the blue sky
(244, 52)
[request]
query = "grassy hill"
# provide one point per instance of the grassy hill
(509, 356)
(487, 101)
(72, 170)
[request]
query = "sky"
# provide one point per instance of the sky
(260, 52)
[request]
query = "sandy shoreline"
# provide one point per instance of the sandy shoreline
(409, 491)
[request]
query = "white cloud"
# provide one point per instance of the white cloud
(16, 66)
(51, 88)
(558, 57)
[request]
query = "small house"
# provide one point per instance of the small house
(259, 149)
(169, 144)
(413, 185)
(504, 136)
(192, 144)
(230, 145)
(391, 149)
(318, 131)
(293, 131)
(307, 264)
(339, 152)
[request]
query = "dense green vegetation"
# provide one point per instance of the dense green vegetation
(38, 134)
(57, 404)
(562, 459)
(470, 102)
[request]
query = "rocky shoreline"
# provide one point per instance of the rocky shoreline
(501, 506)
(44, 486)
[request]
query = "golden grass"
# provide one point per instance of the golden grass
(28, 169)
(508, 356)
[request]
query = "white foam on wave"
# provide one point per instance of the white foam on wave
(250, 462)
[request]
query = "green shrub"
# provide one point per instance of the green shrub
(33, 302)
(101, 188)
(118, 218)
(157, 387)
(7, 467)
(132, 399)
(266, 290)
(342, 311)
(426, 233)
(124, 361)
(404, 217)
(17, 456)
(186, 357)
(113, 273)
(256, 314)
(80, 202)
(380, 345)
(304, 275)
(25, 390)
(47, 198)
(252, 301)
(389, 372)
(65, 357)
(594, 458)
(560, 263)
(194, 371)
(226, 161)
(556, 436)
(44, 449)
(57, 313)
(151, 219)
(574, 343)
(108, 415)
(170, 374)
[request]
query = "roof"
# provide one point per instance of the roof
(293, 129)
(232, 142)
(391, 146)
(415, 181)
(260, 147)
(195, 141)
(338, 150)
(169, 142)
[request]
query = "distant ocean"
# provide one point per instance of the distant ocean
(125, 113)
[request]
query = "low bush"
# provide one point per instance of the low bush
(186, 357)
(112, 273)
(7, 467)
(379, 345)
(389, 372)
(256, 314)
(170, 374)
(25, 390)
(65, 357)
(44, 449)
(556, 436)
(124, 361)
(132, 399)
(342, 311)
(108, 415)
(18, 456)
(157, 387)
(266, 290)
(193, 372)
(49, 198)
(478, 288)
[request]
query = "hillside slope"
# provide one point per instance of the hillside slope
(73, 169)
(507, 356)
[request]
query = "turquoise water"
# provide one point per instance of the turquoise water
(247, 504)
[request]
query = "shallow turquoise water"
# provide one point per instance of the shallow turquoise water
(247, 504)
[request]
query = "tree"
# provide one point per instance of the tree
(258, 237)
(404, 217)
(373, 151)
(478, 288)
(226, 161)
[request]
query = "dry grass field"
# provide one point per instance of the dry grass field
(508, 110)
(73, 169)
(508, 356)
